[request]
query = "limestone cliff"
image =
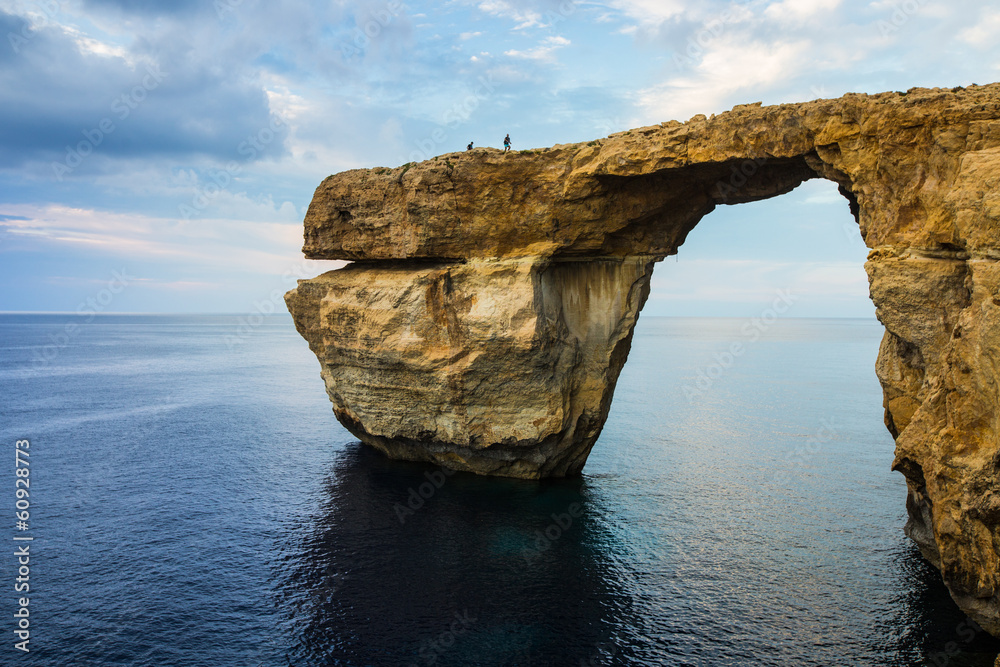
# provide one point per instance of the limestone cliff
(492, 306)
(502, 367)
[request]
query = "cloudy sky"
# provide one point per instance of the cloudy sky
(178, 144)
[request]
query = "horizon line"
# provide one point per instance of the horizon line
(287, 314)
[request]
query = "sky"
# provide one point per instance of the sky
(160, 157)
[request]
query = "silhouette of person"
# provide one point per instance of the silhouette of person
(506, 143)
(469, 147)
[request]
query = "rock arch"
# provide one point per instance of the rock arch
(493, 296)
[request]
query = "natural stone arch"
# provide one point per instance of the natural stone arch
(493, 303)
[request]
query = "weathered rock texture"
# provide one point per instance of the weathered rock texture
(493, 305)
(502, 367)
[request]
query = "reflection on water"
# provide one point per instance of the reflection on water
(483, 571)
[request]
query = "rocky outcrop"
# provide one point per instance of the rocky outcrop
(502, 367)
(493, 298)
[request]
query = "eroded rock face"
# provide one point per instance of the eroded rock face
(493, 309)
(501, 367)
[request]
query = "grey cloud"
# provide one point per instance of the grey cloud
(169, 104)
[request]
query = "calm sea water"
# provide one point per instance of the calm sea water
(194, 502)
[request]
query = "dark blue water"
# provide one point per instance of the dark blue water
(194, 502)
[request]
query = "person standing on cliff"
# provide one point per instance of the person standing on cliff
(506, 143)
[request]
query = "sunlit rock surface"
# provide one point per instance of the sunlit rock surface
(501, 367)
(493, 303)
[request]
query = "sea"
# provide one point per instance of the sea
(191, 500)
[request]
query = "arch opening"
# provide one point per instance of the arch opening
(783, 442)
(663, 206)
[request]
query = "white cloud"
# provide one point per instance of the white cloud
(985, 32)
(727, 67)
(523, 18)
(237, 245)
(650, 12)
(284, 103)
(90, 45)
(799, 11)
(754, 64)
(544, 52)
(824, 197)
